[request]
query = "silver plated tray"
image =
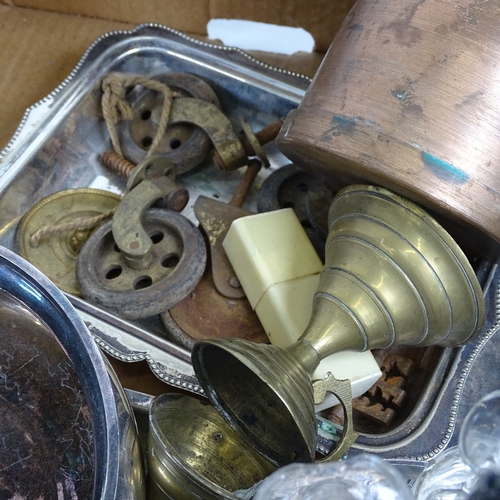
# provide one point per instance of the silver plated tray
(58, 143)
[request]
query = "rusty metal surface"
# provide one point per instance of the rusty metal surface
(175, 197)
(217, 307)
(64, 153)
(444, 385)
(382, 402)
(206, 314)
(215, 220)
(59, 144)
(253, 141)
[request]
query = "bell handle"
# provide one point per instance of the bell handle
(342, 390)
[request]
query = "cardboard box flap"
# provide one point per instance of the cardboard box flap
(321, 19)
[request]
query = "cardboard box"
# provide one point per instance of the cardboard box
(43, 40)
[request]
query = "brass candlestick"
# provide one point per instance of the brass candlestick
(392, 276)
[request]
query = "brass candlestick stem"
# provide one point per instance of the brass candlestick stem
(392, 276)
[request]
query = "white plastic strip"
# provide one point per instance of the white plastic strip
(251, 35)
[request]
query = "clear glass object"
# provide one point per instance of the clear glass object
(363, 477)
(458, 472)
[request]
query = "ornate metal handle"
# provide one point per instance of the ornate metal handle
(341, 389)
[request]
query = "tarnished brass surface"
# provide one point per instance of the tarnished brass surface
(56, 254)
(151, 168)
(174, 197)
(252, 144)
(407, 98)
(392, 276)
(253, 141)
(215, 220)
(341, 389)
(128, 231)
(263, 393)
(212, 120)
(194, 453)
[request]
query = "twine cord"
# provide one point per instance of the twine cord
(115, 107)
(76, 224)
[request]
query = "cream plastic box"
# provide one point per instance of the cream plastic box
(279, 270)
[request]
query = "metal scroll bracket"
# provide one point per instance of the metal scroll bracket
(128, 231)
(210, 118)
(342, 390)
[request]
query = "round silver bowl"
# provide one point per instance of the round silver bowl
(66, 427)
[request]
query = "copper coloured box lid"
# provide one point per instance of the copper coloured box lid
(407, 98)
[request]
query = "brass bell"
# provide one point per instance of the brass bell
(392, 276)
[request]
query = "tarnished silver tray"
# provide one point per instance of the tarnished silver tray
(57, 145)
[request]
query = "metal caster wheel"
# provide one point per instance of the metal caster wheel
(176, 264)
(185, 144)
(292, 187)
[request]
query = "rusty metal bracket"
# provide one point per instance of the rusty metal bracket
(215, 219)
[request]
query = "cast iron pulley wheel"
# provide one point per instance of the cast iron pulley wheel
(185, 144)
(177, 265)
(293, 187)
(288, 187)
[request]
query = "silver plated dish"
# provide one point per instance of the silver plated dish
(67, 427)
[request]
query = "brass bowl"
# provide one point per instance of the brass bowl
(193, 453)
